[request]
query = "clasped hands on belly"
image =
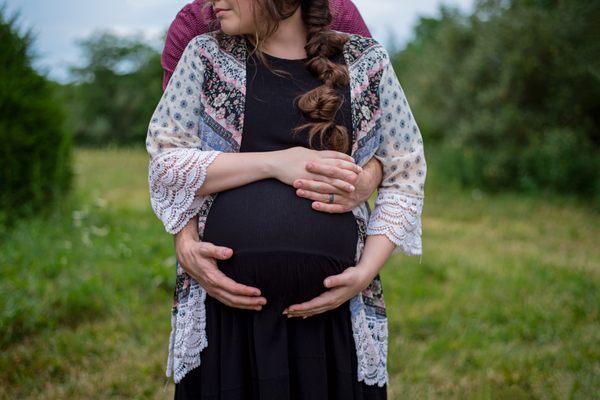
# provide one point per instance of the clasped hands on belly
(315, 174)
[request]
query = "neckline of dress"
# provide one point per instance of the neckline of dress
(286, 60)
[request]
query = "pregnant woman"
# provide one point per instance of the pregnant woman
(246, 108)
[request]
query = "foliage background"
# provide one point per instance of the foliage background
(35, 150)
(511, 92)
(114, 91)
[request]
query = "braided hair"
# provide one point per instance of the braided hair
(320, 105)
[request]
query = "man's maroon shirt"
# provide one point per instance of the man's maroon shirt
(192, 21)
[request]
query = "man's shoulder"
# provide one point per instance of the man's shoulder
(196, 13)
(190, 21)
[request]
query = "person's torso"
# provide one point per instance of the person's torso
(268, 215)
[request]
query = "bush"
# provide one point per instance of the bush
(512, 92)
(35, 150)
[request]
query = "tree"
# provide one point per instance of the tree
(116, 90)
(35, 155)
(511, 93)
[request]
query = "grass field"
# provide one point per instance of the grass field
(504, 303)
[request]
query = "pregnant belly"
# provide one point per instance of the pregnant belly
(283, 277)
(280, 244)
(267, 215)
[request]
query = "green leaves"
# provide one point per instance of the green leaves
(35, 149)
(115, 91)
(498, 87)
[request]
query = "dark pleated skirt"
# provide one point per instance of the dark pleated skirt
(264, 355)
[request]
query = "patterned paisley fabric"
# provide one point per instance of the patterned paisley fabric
(201, 115)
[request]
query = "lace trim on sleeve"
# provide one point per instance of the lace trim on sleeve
(174, 178)
(398, 217)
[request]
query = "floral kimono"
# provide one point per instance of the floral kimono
(201, 114)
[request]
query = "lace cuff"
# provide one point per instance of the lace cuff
(398, 216)
(175, 175)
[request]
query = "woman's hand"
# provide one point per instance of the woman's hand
(290, 164)
(198, 259)
(367, 183)
(342, 287)
(349, 283)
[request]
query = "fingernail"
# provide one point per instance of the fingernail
(300, 192)
(351, 187)
(326, 282)
(284, 312)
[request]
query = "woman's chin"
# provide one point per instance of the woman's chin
(230, 28)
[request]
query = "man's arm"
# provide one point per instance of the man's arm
(191, 21)
(374, 172)
(347, 18)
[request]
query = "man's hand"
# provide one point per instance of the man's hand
(198, 259)
(318, 189)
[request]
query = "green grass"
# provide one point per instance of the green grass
(502, 305)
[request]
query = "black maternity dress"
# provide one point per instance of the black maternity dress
(284, 247)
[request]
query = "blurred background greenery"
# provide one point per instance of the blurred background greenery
(503, 305)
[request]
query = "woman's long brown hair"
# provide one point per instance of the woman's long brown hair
(319, 106)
